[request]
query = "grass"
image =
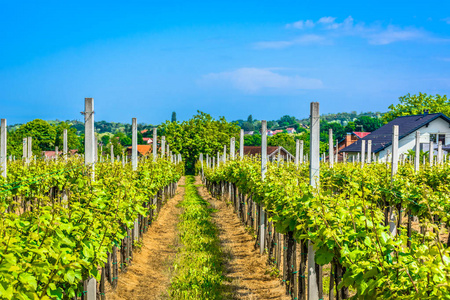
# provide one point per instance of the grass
(199, 265)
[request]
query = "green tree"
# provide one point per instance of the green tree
(250, 119)
(43, 135)
(73, 141)
(284, 140)
(105, 139)
(140, 140)
(174, 116)
(368, 124)
(117, 146)
(247, 126)
(252, 140)
(200, 134)
(416, 104)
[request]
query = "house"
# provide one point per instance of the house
(351, 138)
(273, 132)
(142, 150)
(147, 140)
(251, 132)
(291, 130)
(144, 131)
(432, 127)
(272, 152)
(52, 154)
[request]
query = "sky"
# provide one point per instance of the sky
(146, 59)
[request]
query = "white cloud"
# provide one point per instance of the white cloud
(326, 30)
(301, 24)
(307, 39)
(252, 80)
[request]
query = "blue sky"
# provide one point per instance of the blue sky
(145, 59)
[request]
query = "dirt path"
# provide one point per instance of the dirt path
(247, 270)
(149, 275)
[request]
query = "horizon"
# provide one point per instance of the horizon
(145, 60)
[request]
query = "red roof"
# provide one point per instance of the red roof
(143, 149)
(361, 134)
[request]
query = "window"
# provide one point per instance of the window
(435, 138)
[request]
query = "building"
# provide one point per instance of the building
(432, 127)
(351, 138)
(272, 152)
(142, 150)
(147, 140)
(52, 154)
(291, 130)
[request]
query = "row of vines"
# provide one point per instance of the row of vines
(59, 225)
(347, 221)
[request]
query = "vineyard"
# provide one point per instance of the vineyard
(364, 229)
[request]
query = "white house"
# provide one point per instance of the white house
(432, 127)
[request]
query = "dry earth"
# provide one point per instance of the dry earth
(247, 270)
(148, 278)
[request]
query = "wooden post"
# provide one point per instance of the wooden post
(134, 158)
(3, 139)
(89, 138)
(363, 152)
(155, 144)
(417, 156)
(330, 147)
(314, 177)
(241, 144)
(262, 219)
(297, 152)
(369, 151)
(163, 146)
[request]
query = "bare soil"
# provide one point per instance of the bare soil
(247, 270)
(148, 277)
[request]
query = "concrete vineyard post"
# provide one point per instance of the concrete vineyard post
(369, 151)
(112, 153)
(330, 147)
(24, 149)
(163, 146)
(168, 150)
(394, 167)
(155, 144)
(363, 152)
(297, 152)
(218, 159)
(96, 149)
(262, 215)
(134, 162)
(417, 154)
(431, 153)
(3, 139)
(65, 147)
(439, 156)
(301, 157)
(224, 153)
(241, 144)
(314, 181)
(89, 139)
(336, 156)
(29, 149)
(232, 148)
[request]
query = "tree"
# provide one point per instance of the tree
(252, 140)
(247, 126)
(416, 104)
(368, 124)
(117, 146)
(73, 141)
(250, 119)
(284, 140)
(105, 139)
(200, 134)
(174, 116)
(140, 140)
(42, 133)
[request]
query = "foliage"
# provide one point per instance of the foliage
(174, 116)
(49, 248)
(73, 142)
(42, 133)
(252, 140)
(345, 221)
(200, 134)
(416, 104)
(368, 124)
